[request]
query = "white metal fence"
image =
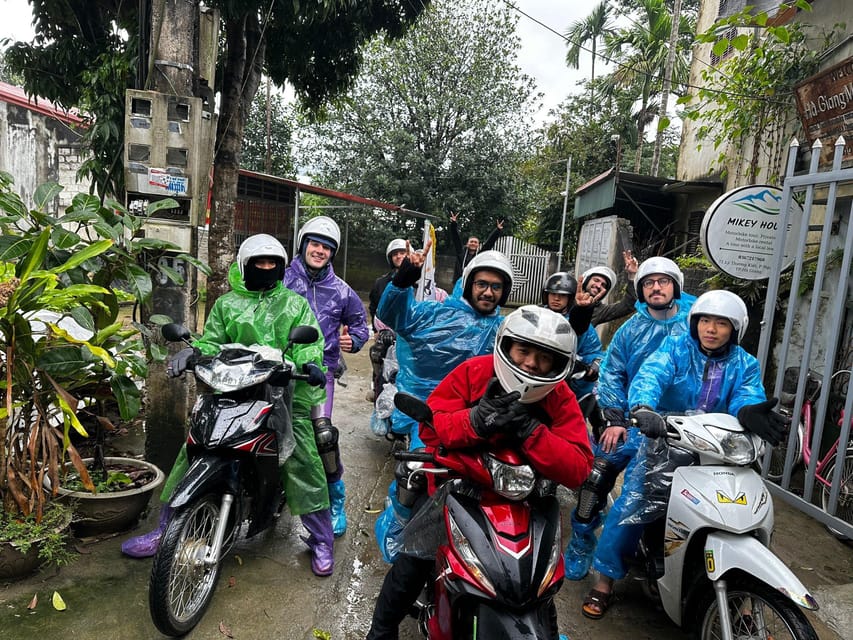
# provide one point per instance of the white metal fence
(530, 264)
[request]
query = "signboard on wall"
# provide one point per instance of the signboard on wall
(825, 107)
(740, 228)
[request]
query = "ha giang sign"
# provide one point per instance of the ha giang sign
(739, 231)
(825, 107)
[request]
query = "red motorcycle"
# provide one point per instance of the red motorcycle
(493, 524)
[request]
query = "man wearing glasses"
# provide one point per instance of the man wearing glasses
(662, 309)
(434, 337)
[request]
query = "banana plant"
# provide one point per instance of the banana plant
(65, 351)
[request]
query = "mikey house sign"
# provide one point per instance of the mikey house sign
(739, 231)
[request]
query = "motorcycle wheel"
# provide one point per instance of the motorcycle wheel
(756, 611)
(181, 583)
(844, 508)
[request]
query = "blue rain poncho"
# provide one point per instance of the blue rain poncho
(432, 339)
(702, 384)
(589, 350)
(633, 342)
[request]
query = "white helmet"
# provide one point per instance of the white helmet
(259, 245)
(723, 304)
(395, 245)
(322, 229)
(659, 265)
(605, 272)
(542, 328)
(494, 261)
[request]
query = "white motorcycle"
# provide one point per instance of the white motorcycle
(708, 559)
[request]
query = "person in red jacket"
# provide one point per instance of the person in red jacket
(516, 395)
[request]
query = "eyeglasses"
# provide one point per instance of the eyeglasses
(482, 285)
(662, 282)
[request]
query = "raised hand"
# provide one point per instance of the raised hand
(583, 298)
(345, 339)
(454, 216)
(631, 264)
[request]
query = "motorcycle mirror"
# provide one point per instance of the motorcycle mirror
(175, 332)
(303, 334)
(413, 407)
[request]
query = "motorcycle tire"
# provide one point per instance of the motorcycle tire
(181, 584)
(756, 610)
(844, 508)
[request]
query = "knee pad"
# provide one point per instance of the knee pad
(593, 492)
(326, 437)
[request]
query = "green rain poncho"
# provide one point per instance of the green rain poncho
(266, 318)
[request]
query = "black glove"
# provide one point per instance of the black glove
(591, 372)
(763, 421)
(615, 417)
(316, 377)
(385, 337)
(407, 275)
(181, 361)
(522, 423)
(491, 414)
(648, 421)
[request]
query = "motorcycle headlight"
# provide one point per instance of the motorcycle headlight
(467, 555)
(513, 482)
(737, 446)
(230, 377)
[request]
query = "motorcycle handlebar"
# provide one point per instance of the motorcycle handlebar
(414, 456)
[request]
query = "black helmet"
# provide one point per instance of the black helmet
(560, 282)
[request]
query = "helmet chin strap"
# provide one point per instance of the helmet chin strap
(662, 307)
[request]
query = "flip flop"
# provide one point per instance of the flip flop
(598, 599)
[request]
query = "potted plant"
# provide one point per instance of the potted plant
(63, 349)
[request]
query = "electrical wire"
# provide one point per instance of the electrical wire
(650, 76)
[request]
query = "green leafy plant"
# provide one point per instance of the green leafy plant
(65, 351)
(48, 533)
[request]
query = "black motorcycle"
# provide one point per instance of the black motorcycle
(238, 432)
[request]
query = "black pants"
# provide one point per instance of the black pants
(400, 589)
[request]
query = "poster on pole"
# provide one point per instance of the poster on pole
(740, 228)
(426, 285)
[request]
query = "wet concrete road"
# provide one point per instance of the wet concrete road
(267, 589)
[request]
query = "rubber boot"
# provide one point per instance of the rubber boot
(579, 553)
(337, 493)
(320, 540)
(145, 546)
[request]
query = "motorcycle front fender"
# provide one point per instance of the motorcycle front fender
(727, 551)
(522, 625)
(205, 474)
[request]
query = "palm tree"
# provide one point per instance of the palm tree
(590, 30)
(640, 52)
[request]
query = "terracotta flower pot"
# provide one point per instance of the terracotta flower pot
(111, 512)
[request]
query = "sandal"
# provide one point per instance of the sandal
(596, 604)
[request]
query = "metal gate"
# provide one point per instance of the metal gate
(530, 264)
(825, 487)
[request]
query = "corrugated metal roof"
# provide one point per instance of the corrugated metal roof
(16, 95)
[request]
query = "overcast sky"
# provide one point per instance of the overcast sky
(542, 55)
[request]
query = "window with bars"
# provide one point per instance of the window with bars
(730, 34)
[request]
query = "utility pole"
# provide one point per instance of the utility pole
(667, 83)
(168, 152)
(565, 206)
